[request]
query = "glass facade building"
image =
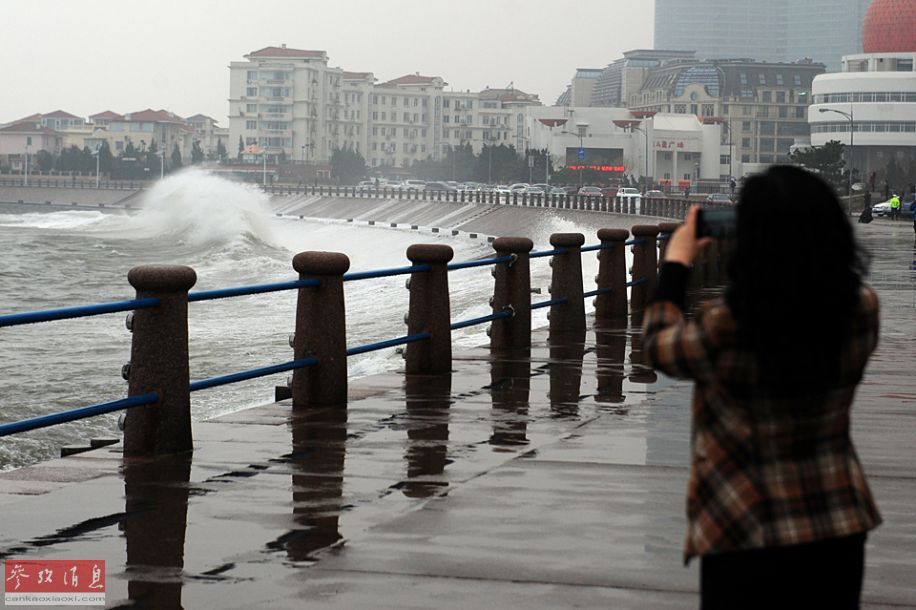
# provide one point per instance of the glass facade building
(776, 31)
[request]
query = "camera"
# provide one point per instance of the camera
(717, 223)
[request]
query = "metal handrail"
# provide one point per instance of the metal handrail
(481, 320)
(548, 253)
(373, 347)
(638, 282)
(607, 246)
(635, 242)
(81, 311)
(368, 275)
(482, 262)
(213, 382)
(598, 292)
(224, 293)
(560, 301)
(82, 413)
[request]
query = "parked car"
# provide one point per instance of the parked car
(501, 189)
(439, 186)
(718, 198)
(365, 185)
(655, 195)
(557, 190)
(884, 208)
(589, 191)
(519, 187)
(413, 185)
(609, 191)
(535, 190)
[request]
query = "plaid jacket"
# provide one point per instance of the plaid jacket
(764, 471)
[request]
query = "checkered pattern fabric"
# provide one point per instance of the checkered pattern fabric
(765, 470)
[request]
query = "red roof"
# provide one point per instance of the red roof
(108, 114)
(357, 75)
(285, 52)
(200, 116)
(60, 114)
(31, 117)
(28, 127)
(152, 116)
(411, 79)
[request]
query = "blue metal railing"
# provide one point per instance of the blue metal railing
(560, 301)
(81, 311)
(213, 382)
(67, 416)
(483, 262)
(481, 320)
(597, 247)
(373, 347)
(225, 293)
(635, 242)
(206, 295)
(368, 275)
(548, 253)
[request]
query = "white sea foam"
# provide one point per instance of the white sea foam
(197, 208)
(53, 221)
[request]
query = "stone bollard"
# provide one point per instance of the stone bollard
(512, 290)
(326, 382)
(665, 228)
(566, 282)
(159, 362)
(429, 311)
(645, 265)
(612, 275)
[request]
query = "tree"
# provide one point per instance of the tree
(105, 157)
(176, 157)
(826, 160)
(197, 153)
(44, 160)
(347, 166)
(220, 150)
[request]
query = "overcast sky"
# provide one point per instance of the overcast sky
(86, 56)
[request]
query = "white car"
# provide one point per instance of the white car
(626, 191)
(413, 185)
(519, 187)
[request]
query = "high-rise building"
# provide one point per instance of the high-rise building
(775, 31)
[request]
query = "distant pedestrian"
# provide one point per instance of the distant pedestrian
(913, 212)
(868, 199)
(732, 184)
(866, 216)
(687, 192)
(894, 204)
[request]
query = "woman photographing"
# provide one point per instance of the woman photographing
(777, 505)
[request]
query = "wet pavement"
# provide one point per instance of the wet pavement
(549, 480)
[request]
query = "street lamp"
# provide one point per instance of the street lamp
(849, 118)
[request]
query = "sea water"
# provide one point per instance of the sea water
(228, 234)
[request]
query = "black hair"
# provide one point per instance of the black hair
(794, 278)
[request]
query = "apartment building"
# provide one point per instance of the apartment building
(763, 106)
(208, 134)
(296, 107)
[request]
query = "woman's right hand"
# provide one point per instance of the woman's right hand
(683, 247)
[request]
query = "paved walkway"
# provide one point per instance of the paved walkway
(553, 481)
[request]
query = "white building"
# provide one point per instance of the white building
(295, 106)
(878, 93)
(674, 149)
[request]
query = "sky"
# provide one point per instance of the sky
(87, 56)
